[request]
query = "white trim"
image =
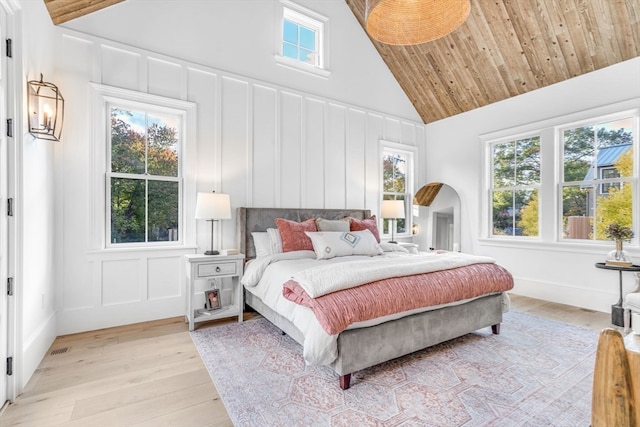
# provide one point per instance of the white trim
(14, 96)
(412, 153)
(551, 156)
(101, 97)
(310, 19)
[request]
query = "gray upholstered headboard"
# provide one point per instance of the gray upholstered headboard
(259, 219)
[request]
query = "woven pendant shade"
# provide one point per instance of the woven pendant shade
(409, 22)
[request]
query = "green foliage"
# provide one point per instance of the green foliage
(516, 168)
(615, 207)
(143, 208)
(529, 214)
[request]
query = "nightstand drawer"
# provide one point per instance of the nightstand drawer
(217, 269)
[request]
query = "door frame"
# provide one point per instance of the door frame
(14, 103)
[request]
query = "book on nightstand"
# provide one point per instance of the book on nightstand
(614, 263)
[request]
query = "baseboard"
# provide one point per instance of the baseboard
(35, 348)
(94, 318)
(592, 299)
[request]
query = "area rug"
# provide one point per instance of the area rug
(537, 372)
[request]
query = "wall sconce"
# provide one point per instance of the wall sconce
(46, 110)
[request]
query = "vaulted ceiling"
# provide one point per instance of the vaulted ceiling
(65, 10)
(510, 47)
(505, 48)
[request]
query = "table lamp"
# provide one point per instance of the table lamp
(213, 207)
(392, 209)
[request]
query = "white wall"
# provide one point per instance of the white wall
(36, 205)
(556, 272)
(265, 144)
(240, 36)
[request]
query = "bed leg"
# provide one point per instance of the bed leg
(345, 381)
(495, 329)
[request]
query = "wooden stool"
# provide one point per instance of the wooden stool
(616, 381)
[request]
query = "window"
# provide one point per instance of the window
(597, 171)
(302, 41)
(299, 42)
(142, 184)
(397, 184)
(564, 179)
(515, 183)
(144, 177)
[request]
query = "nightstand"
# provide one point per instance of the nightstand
(204, 270)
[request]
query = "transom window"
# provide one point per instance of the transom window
(144, 176)
(302, 41)
(299, 42)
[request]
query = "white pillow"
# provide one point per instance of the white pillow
(329, 244)
(262, 242)
(276, 240)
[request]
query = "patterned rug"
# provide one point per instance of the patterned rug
(537, 372)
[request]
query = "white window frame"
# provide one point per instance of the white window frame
(597, 180)
(550, 194)
(490, 145)
(411, 152)
(310, 19)
(102, 98)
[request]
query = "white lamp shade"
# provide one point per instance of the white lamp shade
(213, 206)
(392, 209)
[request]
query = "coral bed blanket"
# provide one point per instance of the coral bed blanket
(335, 311)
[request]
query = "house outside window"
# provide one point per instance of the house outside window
(144, 181)
(302, 40)
(397, 184)
(515, 185)
(598, 175)
(564, 179)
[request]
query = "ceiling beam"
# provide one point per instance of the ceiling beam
(65, 10)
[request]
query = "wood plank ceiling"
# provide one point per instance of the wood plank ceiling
(510, 47)
(65, 10)
(505, 48)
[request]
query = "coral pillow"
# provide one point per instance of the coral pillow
(370, 224)
(292, 234)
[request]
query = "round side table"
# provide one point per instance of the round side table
(617, 312)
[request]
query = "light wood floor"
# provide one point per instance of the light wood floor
(150, 374)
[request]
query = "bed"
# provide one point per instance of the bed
(372, 343)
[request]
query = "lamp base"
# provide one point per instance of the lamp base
(392, 241)
(212, 253)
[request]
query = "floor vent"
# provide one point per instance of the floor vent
(59, 351)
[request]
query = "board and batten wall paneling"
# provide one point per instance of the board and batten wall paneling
(163, 277)
(355, 159)
(160, 72)
(234, 127)
(313, 193)
(264, 144)
(292, 150)
(265, 155)
(122, 68)
(335, 178)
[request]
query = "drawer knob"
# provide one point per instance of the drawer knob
(218, 269)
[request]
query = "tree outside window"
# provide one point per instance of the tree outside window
(396, 186)
(597, 184)
(515, 183)
(144, 177)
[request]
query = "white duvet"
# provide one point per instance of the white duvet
(265, 276)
